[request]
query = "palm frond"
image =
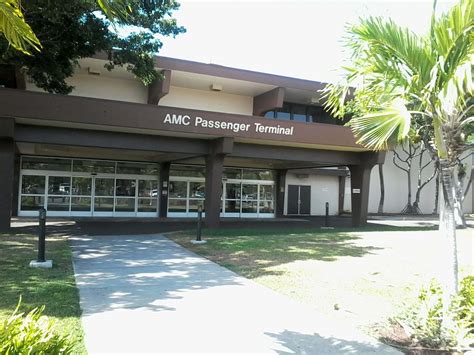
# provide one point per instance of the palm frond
(13, 26)
(380, 130)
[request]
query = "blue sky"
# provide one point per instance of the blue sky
(294, 38)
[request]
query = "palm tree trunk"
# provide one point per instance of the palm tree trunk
(447, 228)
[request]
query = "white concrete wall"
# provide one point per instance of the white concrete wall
(104, 87)
(323, 189)
(208, 101)
(396, 189)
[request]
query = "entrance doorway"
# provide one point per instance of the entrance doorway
(299, 200)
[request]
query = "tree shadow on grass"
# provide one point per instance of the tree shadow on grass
(298, 343)
(54, 288)
(254, 256)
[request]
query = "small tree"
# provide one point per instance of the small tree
(408, 85)
(46, 38)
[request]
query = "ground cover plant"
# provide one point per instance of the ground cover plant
(54, 288)
(362, 276)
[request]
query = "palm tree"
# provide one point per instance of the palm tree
(20, 35)
(407, 86)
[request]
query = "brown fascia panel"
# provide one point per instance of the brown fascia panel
(267, 101)
(7, 127)
(159, 87)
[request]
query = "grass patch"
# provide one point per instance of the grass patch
(55, 288)
(358, 274)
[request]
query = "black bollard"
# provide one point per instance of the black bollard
(199, 224)
(326, 219)
(41, 235)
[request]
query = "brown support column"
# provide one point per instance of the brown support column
(342, 189)
(214, 168)
(163, 190)
(16, 184)
(269, 100)
(7, 166)
(360, 185)
(280, 192)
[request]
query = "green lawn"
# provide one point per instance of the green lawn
(360, 275)
(54, 287)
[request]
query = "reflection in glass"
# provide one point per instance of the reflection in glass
(58, 203)
(81, 186)
(137, 168)
(266, 207)
(177, 205)
(104, 187)
(81, 204)
(94, 166)
(32, 203)
(125, 205)
(232, 206)
(232, 173)
(178, 189)
(59, 185)
(146, 205)
(266, 192)
(232, 191)
(32, 184)
(249, 192)
(249, 206)
(187, 170)
(147, 188)
(194, 205)
(102, 204)
(40, 163)
(258, 174)
(125, 187)
(196, 189)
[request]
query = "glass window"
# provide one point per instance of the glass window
(102, 204)
(125, 187)
(40, 163)
(125, 205)
(258, 174)
(176, 205)
(104, 187)
(59, 185)
(187, 170)
(137, 168)
(269, 114)
(232, 191)
(194, 205)
(298, 112)
(249, 192)
(32, 184)
(94, 166)
(232, 206)
(197, 189)
(249, 206)
(81, 204)
(32, 203)
(146, 205)
(58, 203)
(266, 207)
(231, 173)
(81, 186)
(147, 188)
(266, 192)
(178, 189)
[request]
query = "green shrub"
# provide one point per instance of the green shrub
(31, 334)
(429, 324)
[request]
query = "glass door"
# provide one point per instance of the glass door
(249, 200)
(103, 194)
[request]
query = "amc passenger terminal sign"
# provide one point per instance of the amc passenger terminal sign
(219, 126)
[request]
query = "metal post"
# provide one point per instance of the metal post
(41, 235)
(199, 224)
(326, 219)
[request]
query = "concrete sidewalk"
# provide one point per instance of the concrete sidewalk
(146, 294)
